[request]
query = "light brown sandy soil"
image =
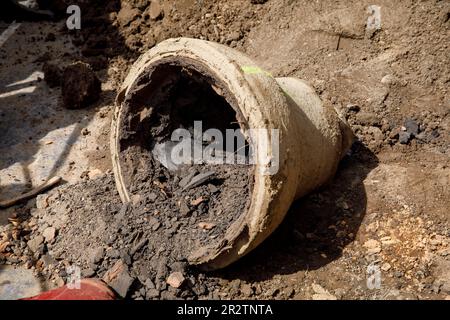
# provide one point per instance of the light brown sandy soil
(388, 207)
(389, 203)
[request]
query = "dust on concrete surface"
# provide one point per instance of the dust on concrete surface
(387, 209)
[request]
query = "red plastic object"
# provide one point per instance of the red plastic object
(90, 289)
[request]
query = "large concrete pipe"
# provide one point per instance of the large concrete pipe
(312, 138)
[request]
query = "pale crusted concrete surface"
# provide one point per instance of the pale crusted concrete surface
(39, 138)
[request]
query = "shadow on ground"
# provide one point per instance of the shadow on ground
(19, 282)
(37, 133)
(316, 228)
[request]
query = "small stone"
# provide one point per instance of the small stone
(42, 201)
(48, 260)
(127, 14)
(97, 255)
(212, 188)
(398, 274)
(156, 226)
(152, 294)
(444, 17)
(184, 208)
(59, 281)
(393, 294)
(199, 180)
(122, 284)
(353, 107)
(367, 119)
(139, 246)
(197, 201)
(87, 273)
(444, 252)
(436, 241)
(119, 279)
(49, 234)
(183, 182)
(290, 292)
(152, 196)
(386, 267)
(4, 245)
(113, 253)
(175, 279)
(412, 127)
(155, 11)
(273, 292)
(374, 251)
(319, 296)
(388, 241)
(372, 246)
(92, 174)
(321, 293)
(206, 225)
(247, 290)
(112, 273)
(35, 243)
(388, 79)
(369, 244)
(234, 36)
(149, 284)
(13, 259)
(377, 134)
(80, 86)
(394, 134)
(135, 199)
(93, 266)
(178, 266)
(126, 258)
(404, 137)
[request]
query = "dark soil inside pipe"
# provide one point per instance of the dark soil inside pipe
(175, 211)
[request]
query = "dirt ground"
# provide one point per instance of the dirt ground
(385, 216)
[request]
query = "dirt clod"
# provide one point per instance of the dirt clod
(80, 86)
(206, 225)
(175, 280)
(155, 10)
(49, 234)
(119, 279)
(35, 243)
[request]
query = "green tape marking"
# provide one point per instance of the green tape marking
(255, 70)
